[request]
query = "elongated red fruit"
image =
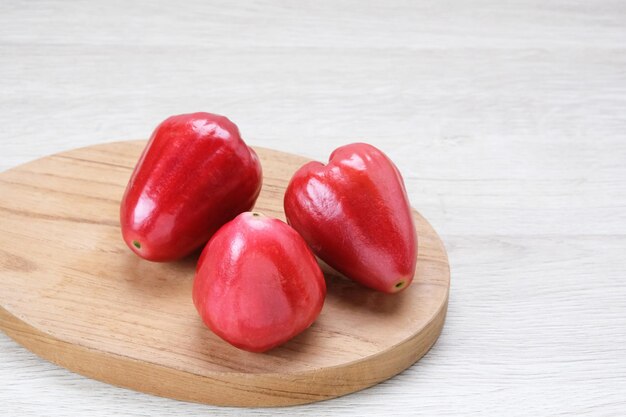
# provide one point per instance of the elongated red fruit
(195, 174)
(257, 283)
(354, 213)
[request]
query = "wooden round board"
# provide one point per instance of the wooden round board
(73, 293)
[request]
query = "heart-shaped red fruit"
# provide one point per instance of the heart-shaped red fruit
(355, 214)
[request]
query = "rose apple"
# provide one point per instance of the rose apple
(257, 283)
(195, 174)
(354, 213)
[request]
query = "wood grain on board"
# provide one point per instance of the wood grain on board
(72, 292)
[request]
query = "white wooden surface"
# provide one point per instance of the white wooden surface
(508, 120)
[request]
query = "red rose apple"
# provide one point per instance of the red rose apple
(354, 213)
(257, 283)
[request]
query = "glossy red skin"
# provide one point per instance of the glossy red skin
(355, 214)
(257, 283)
(195, 174)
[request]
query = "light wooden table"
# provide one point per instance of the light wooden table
(507, 120)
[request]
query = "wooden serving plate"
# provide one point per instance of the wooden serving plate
(71, 292)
